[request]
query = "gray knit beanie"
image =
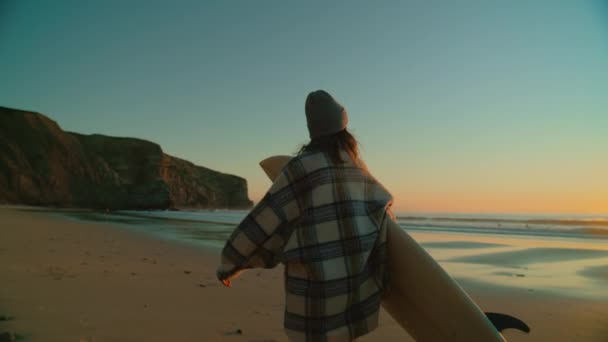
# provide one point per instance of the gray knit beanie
(324, 115)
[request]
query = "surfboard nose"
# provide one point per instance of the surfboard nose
(272, 166)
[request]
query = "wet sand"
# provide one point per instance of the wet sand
(599, 273)
(77, 281)
(521, 258)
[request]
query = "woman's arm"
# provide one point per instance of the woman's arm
(257, 242)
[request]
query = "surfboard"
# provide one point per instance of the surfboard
(272, 166)
(423, 298)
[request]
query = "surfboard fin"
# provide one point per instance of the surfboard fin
(503, 321)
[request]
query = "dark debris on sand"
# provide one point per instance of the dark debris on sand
(234, 332)
(6, 336)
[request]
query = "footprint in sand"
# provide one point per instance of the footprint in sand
(149, 261)
(58, 273)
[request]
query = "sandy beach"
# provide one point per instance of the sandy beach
(66, 280)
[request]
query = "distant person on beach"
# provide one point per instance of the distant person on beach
(324, 218)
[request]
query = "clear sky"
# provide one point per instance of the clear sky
(460, 106)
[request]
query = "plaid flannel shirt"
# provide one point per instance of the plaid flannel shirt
(327, 224)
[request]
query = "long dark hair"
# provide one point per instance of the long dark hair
(332, 144)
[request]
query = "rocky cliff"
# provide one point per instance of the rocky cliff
(40, 164)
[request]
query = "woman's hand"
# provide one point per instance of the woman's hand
(225, 273)
(222, 273)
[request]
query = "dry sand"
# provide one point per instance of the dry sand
(74, 281)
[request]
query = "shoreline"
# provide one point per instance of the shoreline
(66, 280)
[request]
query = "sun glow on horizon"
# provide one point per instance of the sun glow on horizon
(497, 203)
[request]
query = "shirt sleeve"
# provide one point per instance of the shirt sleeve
(258, 241)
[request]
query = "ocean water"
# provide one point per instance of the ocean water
(213, 227)
(561, 254)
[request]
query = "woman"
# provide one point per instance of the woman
(324, 218)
